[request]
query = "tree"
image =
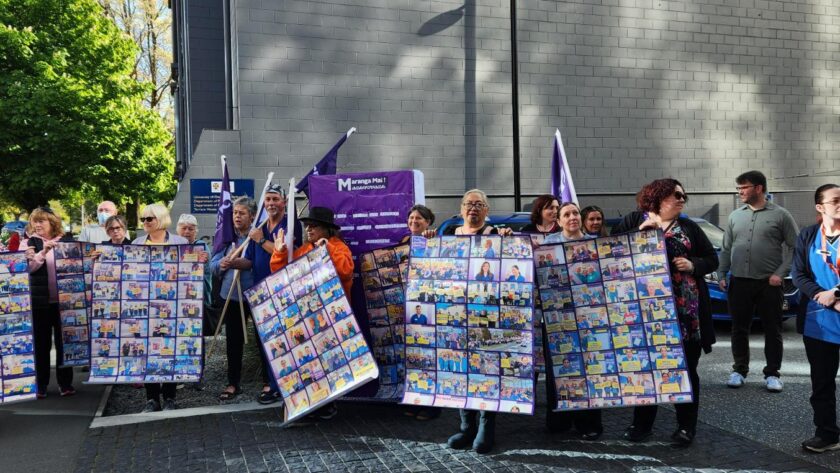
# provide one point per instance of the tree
(149, 24)
(72, 117)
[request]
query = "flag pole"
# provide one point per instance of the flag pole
(241, 248)
(290, 221)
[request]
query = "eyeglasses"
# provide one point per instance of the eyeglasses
(113, 229)
(148, 219)
(680, 196)
(743, 188)
(473, 205)
(834, 202)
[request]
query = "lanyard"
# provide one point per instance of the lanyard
(834, 266)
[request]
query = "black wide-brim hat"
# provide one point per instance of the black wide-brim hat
(321, 216)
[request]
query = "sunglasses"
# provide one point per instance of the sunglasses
(113, 229)
(46, 209)
(680, 196)
(148, 219)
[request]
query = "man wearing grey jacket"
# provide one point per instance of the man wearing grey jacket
(757, 250)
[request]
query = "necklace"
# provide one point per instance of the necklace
(545, 228)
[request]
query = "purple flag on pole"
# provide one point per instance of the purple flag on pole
(327, 165)
(562, 186)
(224, 216)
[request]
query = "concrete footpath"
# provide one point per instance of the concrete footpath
(46, 435)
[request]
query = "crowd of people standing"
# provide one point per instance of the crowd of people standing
(761, 246)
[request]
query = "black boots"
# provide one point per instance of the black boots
(486, 435)
(476, 428)
(469, 428)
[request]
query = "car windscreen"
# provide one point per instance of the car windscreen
(713, 233)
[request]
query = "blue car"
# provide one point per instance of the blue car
(720, 310)
(16, 226)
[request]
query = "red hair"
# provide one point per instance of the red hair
(652, 194)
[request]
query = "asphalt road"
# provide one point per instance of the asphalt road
(780, 420)
(46, 435)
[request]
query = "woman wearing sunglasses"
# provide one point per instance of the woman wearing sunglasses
(690, 256)
(156, 220)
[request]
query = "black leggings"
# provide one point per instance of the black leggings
(46, 328)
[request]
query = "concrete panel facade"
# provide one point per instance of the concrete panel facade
(700, 90)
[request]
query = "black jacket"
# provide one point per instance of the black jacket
(39, 280)
(705, 260)
(802, 275)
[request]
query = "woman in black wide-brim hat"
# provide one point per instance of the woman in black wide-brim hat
(320, 229)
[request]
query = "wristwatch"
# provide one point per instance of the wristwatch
(262, 242)
(837, 292)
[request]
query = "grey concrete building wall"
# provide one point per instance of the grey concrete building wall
(696, 89)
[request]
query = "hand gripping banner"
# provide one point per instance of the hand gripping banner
(309, 333)
(469, 323)
(17, 358)
(613, 337)
(146, 314)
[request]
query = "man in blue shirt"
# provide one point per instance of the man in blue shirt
(263, 237)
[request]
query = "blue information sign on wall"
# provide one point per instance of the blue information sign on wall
(204, 193)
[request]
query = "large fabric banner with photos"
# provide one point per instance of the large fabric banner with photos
(73, 281)
(309, 333)
(469, 323)
(17, 358)
(383, 275)
(612, 328)
(146, 314)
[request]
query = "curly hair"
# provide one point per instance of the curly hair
(652, 194)
(540, 203)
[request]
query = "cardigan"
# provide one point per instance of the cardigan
(802, 274)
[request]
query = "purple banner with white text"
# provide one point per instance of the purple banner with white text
(372, 207)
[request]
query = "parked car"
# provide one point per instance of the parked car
(16, 226)
(720, 310)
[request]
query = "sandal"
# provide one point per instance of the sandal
(268, 397)
(228, 395)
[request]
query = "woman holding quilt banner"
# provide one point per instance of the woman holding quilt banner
(321, 230)
(156, 221)
(44, 232)
(690, 257)
(586, 422)
(477, 428)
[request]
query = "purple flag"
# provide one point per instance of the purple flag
(562, 186)
(327, 165)
(224, 216)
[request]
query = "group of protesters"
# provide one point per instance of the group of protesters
(761, 246)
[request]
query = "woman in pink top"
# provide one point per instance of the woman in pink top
(45, 232)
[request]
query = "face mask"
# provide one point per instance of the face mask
(102, 217)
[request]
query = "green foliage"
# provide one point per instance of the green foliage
(72, 119)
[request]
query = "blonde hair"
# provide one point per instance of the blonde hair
(54, 220)
(160, 212)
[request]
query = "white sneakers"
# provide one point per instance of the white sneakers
(774, 384)
(736, 380)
